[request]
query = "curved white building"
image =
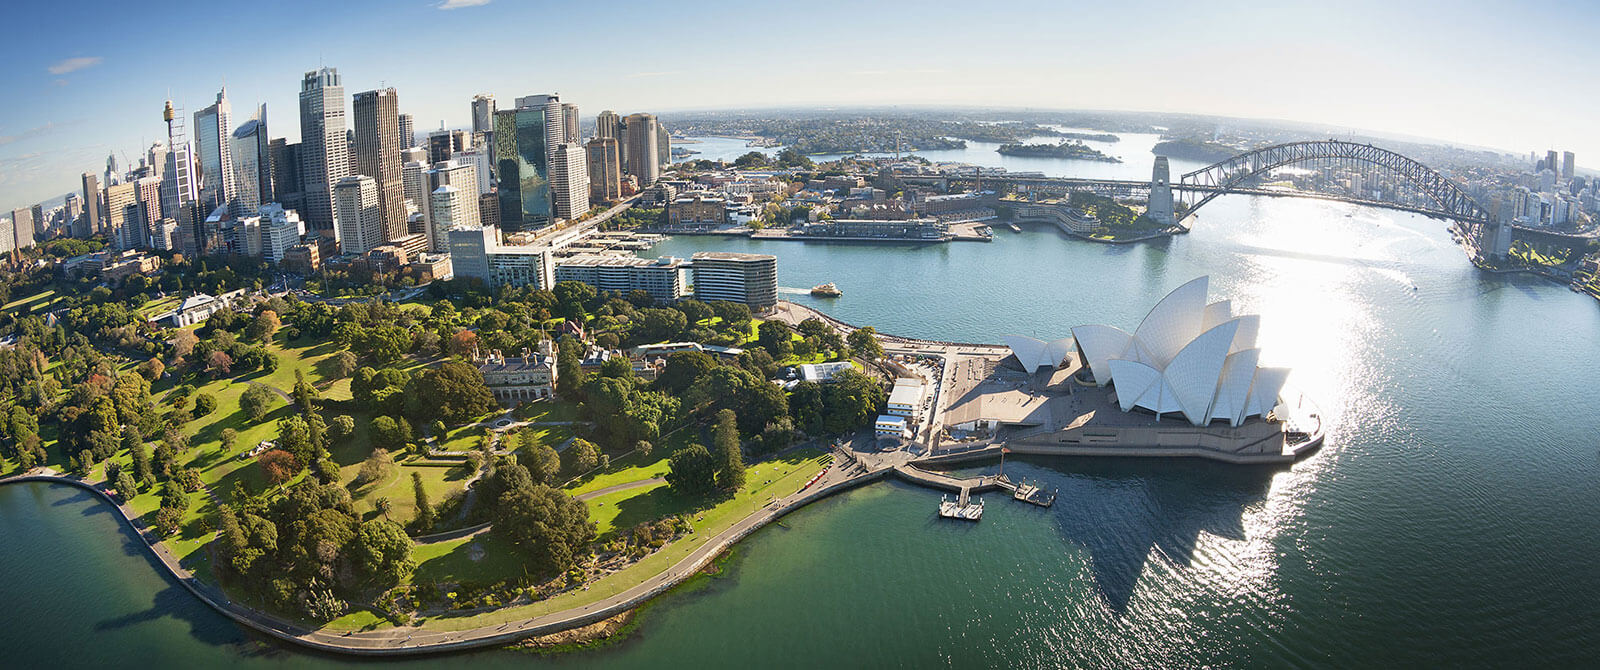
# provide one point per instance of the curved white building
(1186, 356)
(1035, 353)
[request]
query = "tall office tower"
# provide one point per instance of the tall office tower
(324, 152)
(40, 227)
(377, 115)
(642, 150)
(1569, 165)
(147, 192)
(280, 229)
(252, 164)
(663, 146)
(418, 154)
(355, 200)
(569, 116)
(608, 124)
(287, 185)
(212, 127)
(89, 224)
(178, 188)
(414, 183)
(408, 132)
(440, 146)
(605, 169)
(156, 158)
(489, 210)
(522, 165)
(478, 158)
(117, 201)
(8, 238)
(555, 131)
(483, 113)
(569, 180)
(451, 207)
(21, 228)
(113, 176)
(71, 213)
(459, 174)
(1551, 161)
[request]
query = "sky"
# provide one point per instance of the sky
(90, 77)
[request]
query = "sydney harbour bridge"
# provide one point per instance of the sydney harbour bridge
(1326, 169)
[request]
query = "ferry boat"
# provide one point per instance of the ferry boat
(827, 290)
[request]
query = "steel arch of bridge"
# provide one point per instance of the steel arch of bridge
(1231, 174)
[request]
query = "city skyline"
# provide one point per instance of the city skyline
(87, 97)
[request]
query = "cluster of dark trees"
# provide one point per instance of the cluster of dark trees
(308, 551)
(550, 529)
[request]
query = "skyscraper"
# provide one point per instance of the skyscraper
(643, 152)
(408, 132)
(212, 128)
(451, 207)
(118, 199)
(483, 113)
(252, 164)
(377, 115)
(569, 117)
(555, 120)
(21, 228)
(355, 200)
(605, 169)
(608, 124)
(1552, 161)
(147, 192)
(324, 154)
(569, 180)
(523, 167)
(458, 174)
(663, 146)
(178, 191)
(1569, 164)
(89, 223)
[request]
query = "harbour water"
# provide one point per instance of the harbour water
(1448, 521)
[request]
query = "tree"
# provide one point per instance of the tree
(377, 466)
(585, 456)
(168, 521)
(255, 402)
(183, 343)
(382, 552)
(344, 364)
(546, 526)
(735, 315)
(228, 437)
(658, 324)
(126, 487)
(570, 378)
(454, 392)
(382, 506)
(204, 404)
(544, 463)
(305, 397)
(424, 519)
(864, 341)
(850, 401)
(694, 311)
(388, 433)
(219, 363)
(775, 337)
(693, 471)
(264, 326)
(152, 369)
(277, 466)
(725, 448)
(683, 370)
(463, 344)
(141, 461)
(343, 426)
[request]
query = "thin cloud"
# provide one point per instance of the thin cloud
(74, 64)
(458, 4)
(641, 75)
(31, 132)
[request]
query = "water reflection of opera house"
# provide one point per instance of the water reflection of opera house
(1186, 382)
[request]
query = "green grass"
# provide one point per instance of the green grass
(43, 298)
(452, 561)
(543, 411)
(630, 468)
(463, 439)
(626, 509)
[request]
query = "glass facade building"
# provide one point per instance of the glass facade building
(524, 169)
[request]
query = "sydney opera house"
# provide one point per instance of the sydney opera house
(1187, 357)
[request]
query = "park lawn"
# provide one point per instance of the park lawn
(159, 305)
(423, 309)
(629, 468)
(764, 481)
(42, 298)
(465, 438)
(440, 481)
(547, 411)
(313, 361)
(205, 436)
(626, 509)
(452, 561)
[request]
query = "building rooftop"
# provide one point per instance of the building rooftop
(731, 256)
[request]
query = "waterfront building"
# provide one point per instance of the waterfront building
(643, 153)
(1186, 357)
(751, 279)
(377, 115)
(823, 373)
(1161, 208)
(523, 168)
(697, 211)
(212, 129)
(252, 163)
(907, 229)
(569, 181)
(483, 113)
(662, 278)
(1033, 354)
(408, 131)
(93, 202)
(356, 209)
(663, 146)
(324, 149)
(605, 169)
(906, 398)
